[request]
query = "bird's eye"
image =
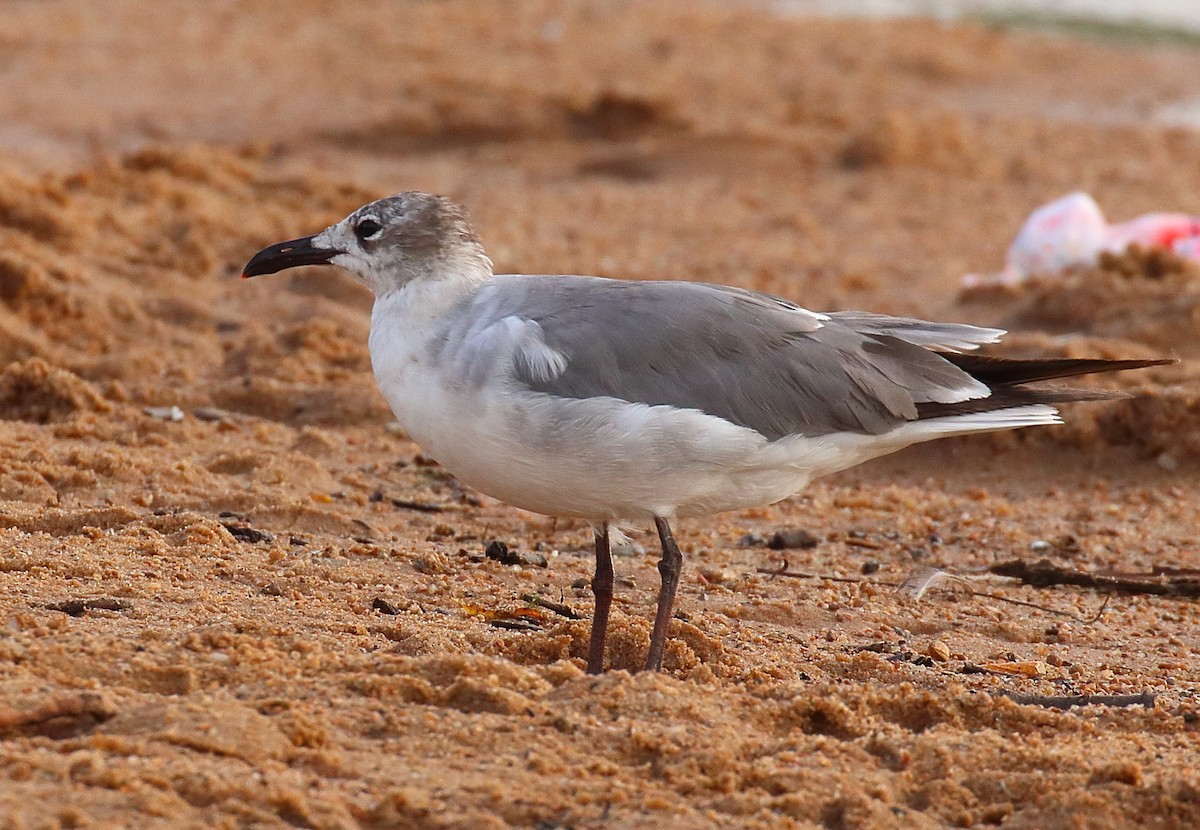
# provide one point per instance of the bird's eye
(367, 228)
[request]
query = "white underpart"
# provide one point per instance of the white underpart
(600, 459)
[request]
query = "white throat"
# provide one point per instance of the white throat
(407, 318)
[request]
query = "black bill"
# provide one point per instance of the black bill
(288, 254)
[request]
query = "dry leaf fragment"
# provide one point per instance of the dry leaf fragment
(1025, 668)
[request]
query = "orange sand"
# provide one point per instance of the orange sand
(245, 680)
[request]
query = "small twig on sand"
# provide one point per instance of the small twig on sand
(419, 506)
(1057, 612)
(560, 608)
(783, 571)
(1044, 574)
(79, 607)
(1066, 702)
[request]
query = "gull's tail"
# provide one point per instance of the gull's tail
(1011, 404)
(1007, 378)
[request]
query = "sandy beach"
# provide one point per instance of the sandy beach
(232, 594)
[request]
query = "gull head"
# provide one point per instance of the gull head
(388, 244)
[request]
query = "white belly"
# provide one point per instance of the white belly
(598, 459)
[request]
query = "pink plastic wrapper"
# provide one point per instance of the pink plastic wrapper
(1072, 231)
(1155, 230)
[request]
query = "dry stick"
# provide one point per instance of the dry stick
(78, 607)
(1043, 574)
(783, 571)
(419, 506)
(560, 608)
(1051, 702)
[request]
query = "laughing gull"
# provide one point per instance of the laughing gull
(620, 402)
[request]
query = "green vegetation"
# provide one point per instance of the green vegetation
(1113, 31)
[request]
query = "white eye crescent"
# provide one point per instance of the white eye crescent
(368, 227)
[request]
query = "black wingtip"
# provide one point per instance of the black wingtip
(1009, 371)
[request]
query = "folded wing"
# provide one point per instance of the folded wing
(757, 361)
(754, 360)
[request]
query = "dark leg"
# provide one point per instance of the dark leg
(668, 568)
(602, 590)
